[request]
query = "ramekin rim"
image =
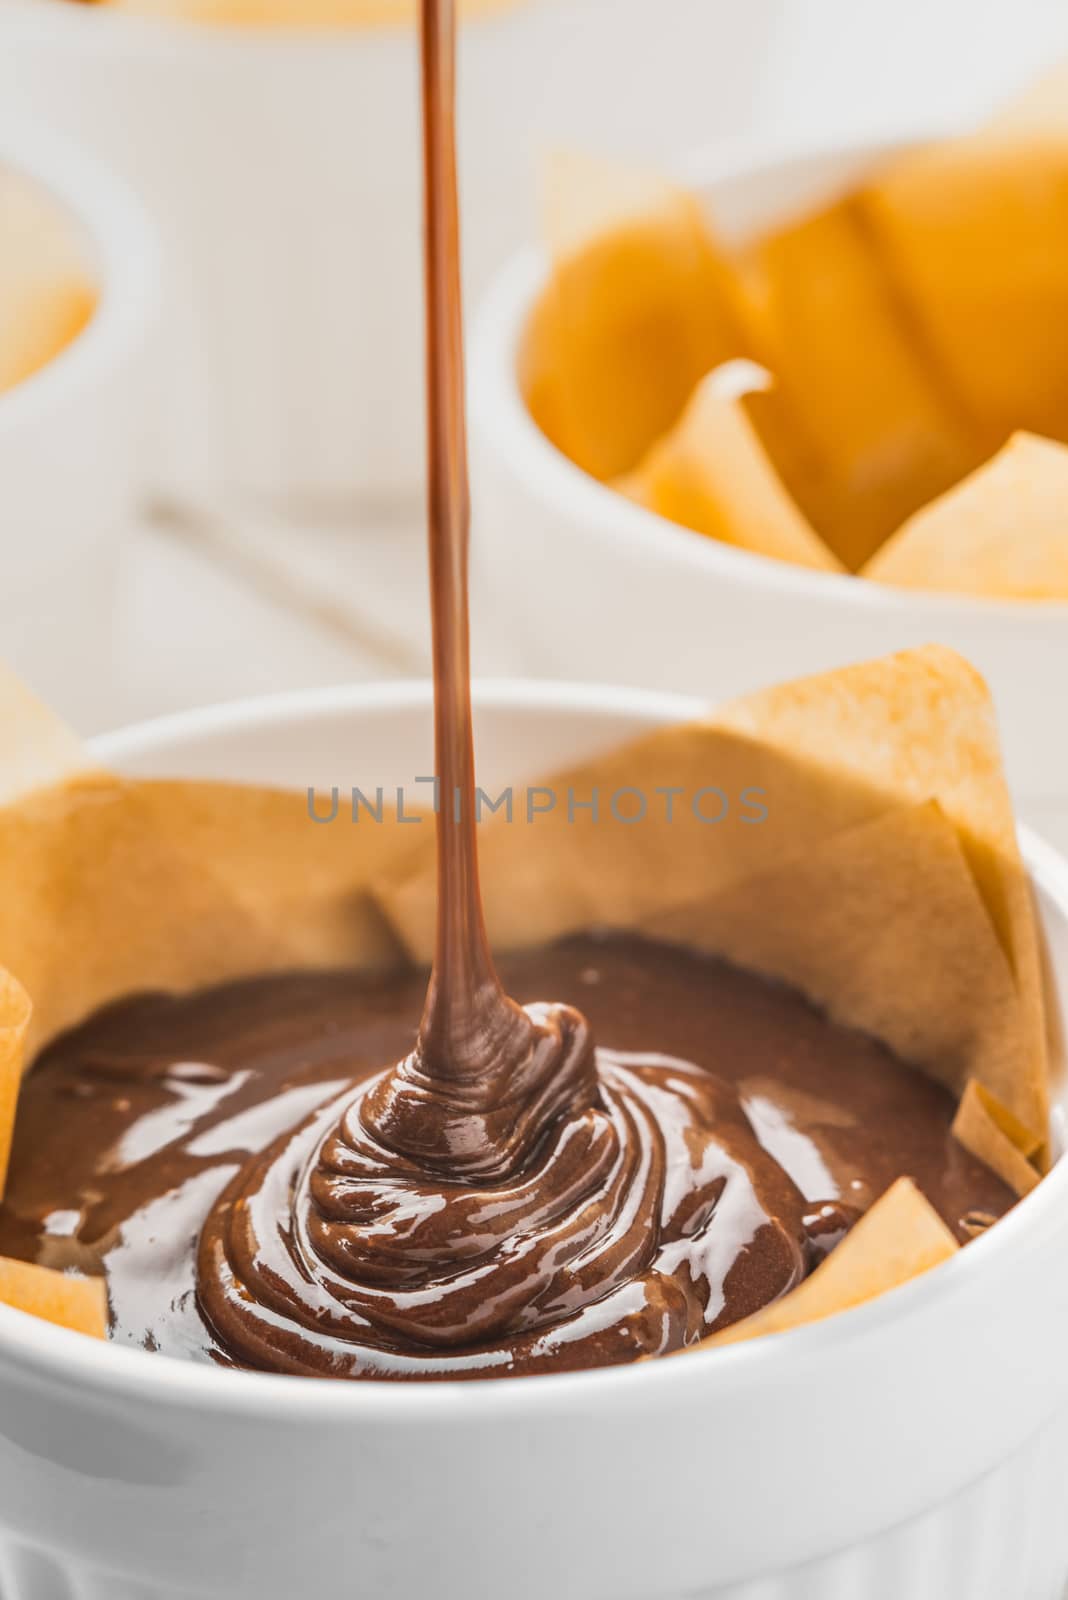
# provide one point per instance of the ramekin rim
(56, 1354)
(507, 428)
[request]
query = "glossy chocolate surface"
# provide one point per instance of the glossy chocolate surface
(230, 1138)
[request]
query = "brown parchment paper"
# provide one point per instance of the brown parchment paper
(877, 432)
(636, 311)
(109, 886)
(78, 1303)
(970, 231)
(712, 473)
(883, 926)
(1001, 533)
(827, 755)
(986, 1127)
(14, 1022)
(901, 1237)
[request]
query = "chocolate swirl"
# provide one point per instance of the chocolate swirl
(499, 1201)
(133, 1128)
(476, 1111)
(617, 1212)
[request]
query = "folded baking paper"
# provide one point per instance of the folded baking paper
(634, 312)
(881, 433)
(712, 473)
(900, 1238)
(974, 234)
(883, 927)
(826, 755)
(1001, 534)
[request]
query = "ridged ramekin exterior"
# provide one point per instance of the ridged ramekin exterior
(1004, 1538)
(910, 1449)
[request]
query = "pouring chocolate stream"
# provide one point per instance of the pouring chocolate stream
(486, 1077)
(493, 1185)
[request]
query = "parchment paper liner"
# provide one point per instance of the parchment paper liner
(712, 473)
(829, 753)
(910, 328)
(971, 233)
(78, 1303)
(900, 1237)
(875, 432)
(1000, 534)
(987, 1128)
(636, 312)
(887, 812)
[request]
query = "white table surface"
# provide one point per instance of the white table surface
(203, 618)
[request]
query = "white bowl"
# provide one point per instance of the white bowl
(914, 1447)
(601, 588)
(72, 440)
(282, 169)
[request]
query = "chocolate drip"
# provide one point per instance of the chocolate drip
(486, 1079)
(493, 1096)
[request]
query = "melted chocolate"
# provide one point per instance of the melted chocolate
(734, 1136)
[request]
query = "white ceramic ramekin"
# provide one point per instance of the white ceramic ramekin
(565, 553)
(913, 1449)
(72, 439)
(282, 169)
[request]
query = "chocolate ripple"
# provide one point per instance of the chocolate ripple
(631, 1219)
(654, 1198)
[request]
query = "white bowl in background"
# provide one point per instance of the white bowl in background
(73, 438)
(282, 170)
(913, 1447)
(589, 585)
(867, 67)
